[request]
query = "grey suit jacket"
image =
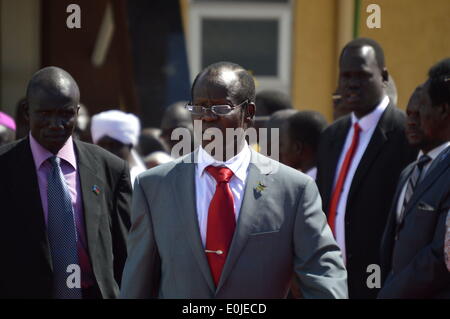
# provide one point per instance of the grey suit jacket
(281, 233)
(412, 256)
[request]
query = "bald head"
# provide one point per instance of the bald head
(52, 83)
(52, 107)
(230, 77)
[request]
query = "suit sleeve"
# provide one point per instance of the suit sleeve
(426, 274)
(318, 263)
(142, 269)
(121, 221)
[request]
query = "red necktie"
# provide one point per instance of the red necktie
(341, 179)
(221, 221)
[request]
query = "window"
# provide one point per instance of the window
(254, 34)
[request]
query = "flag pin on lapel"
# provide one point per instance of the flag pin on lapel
(96, 189)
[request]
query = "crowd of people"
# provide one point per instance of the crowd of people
(101, 208)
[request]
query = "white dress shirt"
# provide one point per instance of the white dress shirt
(136, 168)
(433, 154)
(205, 185)
(367, 124)
(312, 173)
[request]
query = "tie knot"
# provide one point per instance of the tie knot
(423, 160)
(55, 161)
(220, 174)
(356, 127)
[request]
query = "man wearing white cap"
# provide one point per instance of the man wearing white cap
(118, 133)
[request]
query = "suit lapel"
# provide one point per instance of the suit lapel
(375, 145)
(31, 207)
(252, 200)
(187, 211)
(388, 236)
(87, 170)
(441, 163)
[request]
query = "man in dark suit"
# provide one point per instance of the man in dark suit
(359, 160)
(412, 251)
(65, 203)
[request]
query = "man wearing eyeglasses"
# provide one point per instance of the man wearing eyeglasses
(225, 221)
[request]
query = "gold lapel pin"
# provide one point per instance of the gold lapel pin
(260, 187)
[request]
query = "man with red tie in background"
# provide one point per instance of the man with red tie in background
(359, 160)
(230, 223)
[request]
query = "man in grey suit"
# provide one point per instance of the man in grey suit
(234, 226)
(412, 251)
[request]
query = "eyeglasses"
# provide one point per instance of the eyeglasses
(215, 109)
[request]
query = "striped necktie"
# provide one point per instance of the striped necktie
(61, 232)
(412, 183)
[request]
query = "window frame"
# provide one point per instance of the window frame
(281, 12)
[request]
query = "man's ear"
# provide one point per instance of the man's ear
(78, 108)
(445, 110)
(250, 111)
(26, 110)
(298, 147)
(385, 75)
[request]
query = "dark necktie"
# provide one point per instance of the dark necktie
(412, 183)
(221, 221)
(61, 232)
(341, 178)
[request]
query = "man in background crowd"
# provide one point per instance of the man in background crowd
(412, 251)
(299, 141)
(118, 132)
(360, 158)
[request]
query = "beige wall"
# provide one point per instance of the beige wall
(415, 34)
(314, 55)
(20, 49)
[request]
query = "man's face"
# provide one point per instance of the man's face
(52, 119)
(179, 118)
(207, 93)
(288, 149)
(413, 130)
(361, 80)
(433, 121)
(114, 146)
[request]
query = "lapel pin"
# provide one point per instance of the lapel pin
(96, 189)
(260, 187)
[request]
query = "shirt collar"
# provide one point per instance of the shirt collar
(41, 154)
(435, 151)
(237, 164)
(312, 172)
(371, 120)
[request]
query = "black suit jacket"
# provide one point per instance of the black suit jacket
(371, 191)
(26, 266)
(412, 256)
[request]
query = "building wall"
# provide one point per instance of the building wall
(314, 55)
(20, 49)
(414, 35)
